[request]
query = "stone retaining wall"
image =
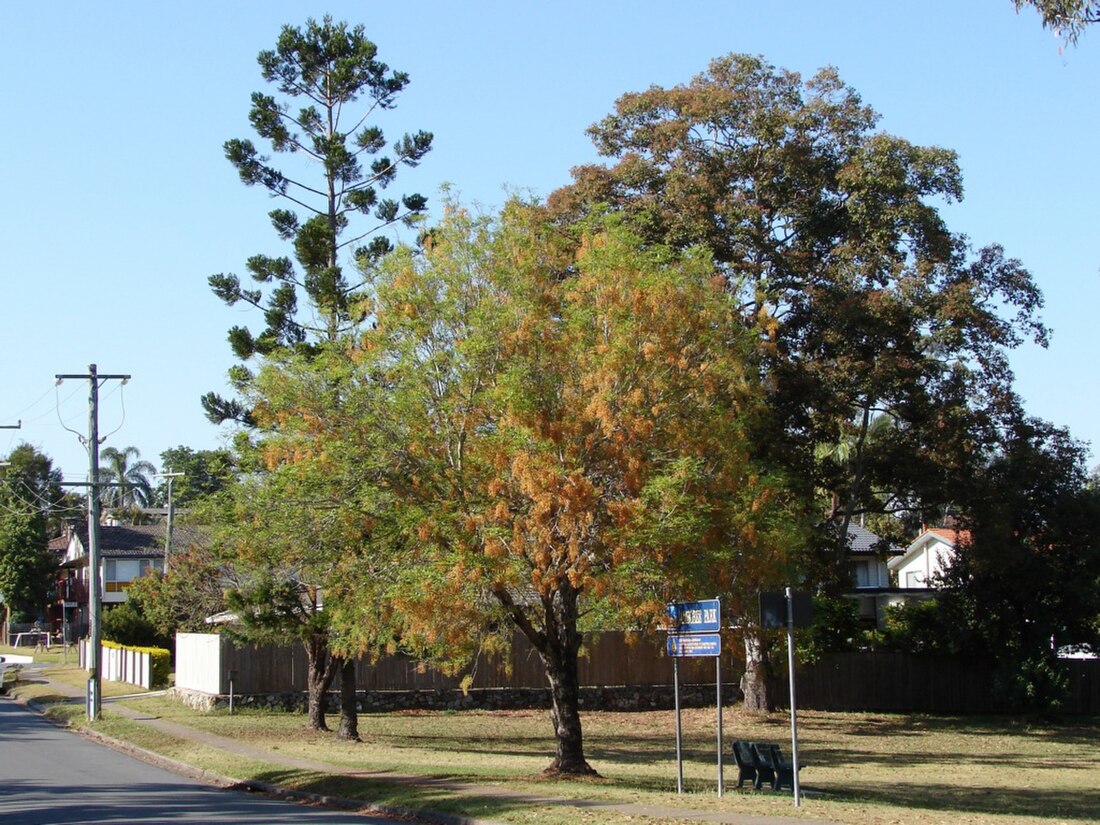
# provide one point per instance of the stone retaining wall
(658, 697)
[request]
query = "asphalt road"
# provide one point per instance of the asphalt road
(50, 776)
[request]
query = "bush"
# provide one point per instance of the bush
(125, 624)
(836, 628)
(919, 627)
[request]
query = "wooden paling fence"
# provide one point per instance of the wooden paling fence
(614, 658)
(839, 682)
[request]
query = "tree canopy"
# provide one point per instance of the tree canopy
(31, 499)
(1068, 18)
(1024, 582)
(567, 427)
(205, 472)
(863, 301)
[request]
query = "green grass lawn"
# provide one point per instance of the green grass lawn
(886, 769)
(860, 768)
(57, 654)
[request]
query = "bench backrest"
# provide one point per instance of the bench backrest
(742, 754)
(767, 753)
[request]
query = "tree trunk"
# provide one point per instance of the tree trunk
(561, 671)
(319, 674)
(558, 643)
(349, 711)
(758, 683)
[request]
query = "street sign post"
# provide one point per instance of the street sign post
(694, 631)
(789, 608)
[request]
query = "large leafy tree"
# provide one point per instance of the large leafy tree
(332, 72)
(863, 302)
(205, 472)
(571, 431)
(30, 498)
(291, 531)
(1025, 581)
(26, 567)
(32, 479)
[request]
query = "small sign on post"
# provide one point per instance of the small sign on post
(695, 617)
(694, 631)
(789, 609)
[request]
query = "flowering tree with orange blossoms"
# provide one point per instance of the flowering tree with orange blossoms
(568, 432)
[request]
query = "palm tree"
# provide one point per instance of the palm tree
(133, 487)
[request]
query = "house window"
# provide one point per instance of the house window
(914, 579)
(119, 573)
(863, 574)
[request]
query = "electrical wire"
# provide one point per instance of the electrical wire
(122, 399)
(57, 395)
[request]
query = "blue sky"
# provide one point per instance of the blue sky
(118, 203)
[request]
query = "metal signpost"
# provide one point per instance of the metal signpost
(789, 609)
(694, 631)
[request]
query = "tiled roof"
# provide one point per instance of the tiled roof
(948, 534)
(863, 541)
(139, 540)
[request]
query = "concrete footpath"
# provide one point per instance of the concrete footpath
(234, 746)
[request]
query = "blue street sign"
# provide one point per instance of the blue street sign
(695, 617)
(699, 644)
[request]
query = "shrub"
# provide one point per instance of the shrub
(127, 625)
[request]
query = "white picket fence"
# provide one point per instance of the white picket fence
(121, 664)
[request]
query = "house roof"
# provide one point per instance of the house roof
(931, 535)
(947, 534)
(863, 542)
(141, 541)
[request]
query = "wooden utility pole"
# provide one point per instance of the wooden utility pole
(94, 597)
(168, 527)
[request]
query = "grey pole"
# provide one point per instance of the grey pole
(679, 740)
(168, 527)
(92, 701)
(94, 599)
(718, 679)
(794, 711)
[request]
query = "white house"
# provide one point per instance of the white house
(927, 557)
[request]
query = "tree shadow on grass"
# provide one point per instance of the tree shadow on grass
(1062, 803)
(1066, 730)
(438, 796)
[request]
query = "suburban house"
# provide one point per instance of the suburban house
(927, 557)
(126, 552)
(867, 557)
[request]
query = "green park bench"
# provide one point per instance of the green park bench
(782, 770)
(749, 764)
(762, 762)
